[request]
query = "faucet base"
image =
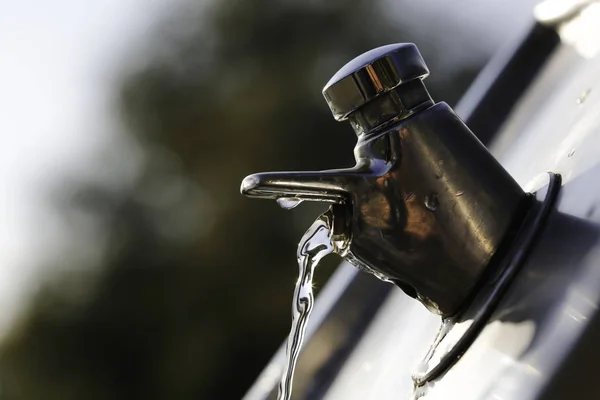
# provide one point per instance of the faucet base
(458, 332)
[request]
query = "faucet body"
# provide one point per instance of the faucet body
(431, 207)
(426, 206)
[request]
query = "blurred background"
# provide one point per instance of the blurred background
(130, 265)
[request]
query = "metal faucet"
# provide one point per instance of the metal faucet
(426, 206)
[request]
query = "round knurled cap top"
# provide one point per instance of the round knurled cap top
(372, 74)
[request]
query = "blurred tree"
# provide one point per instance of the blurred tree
(193, 296)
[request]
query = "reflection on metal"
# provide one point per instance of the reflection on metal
(498, 87)
(369, 75)
(554, 12)
(577, 22)
(399, 205)
(457, 333)
(582, 31)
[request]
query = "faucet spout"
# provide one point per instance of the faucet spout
(331, 186)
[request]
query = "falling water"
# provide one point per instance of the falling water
(419, 389)
(315, 244)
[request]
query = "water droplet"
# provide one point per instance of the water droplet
(439, 169)
(583, 96)
(249, 183)
(431, 201)
(288, 202)
(571, 153)
(459, 193)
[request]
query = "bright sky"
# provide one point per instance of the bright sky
(55, 69)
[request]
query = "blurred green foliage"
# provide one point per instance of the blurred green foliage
(193, 295)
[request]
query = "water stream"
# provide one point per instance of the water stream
(315, 244)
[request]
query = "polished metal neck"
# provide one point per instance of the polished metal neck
(390, 108)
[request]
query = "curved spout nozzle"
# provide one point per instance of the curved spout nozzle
(326, 186)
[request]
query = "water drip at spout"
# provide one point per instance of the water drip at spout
(315, 244)
(288, 202)
(431, 201)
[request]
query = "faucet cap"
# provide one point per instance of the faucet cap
(372, 74)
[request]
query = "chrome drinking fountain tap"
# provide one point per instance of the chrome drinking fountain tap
(426, 206)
